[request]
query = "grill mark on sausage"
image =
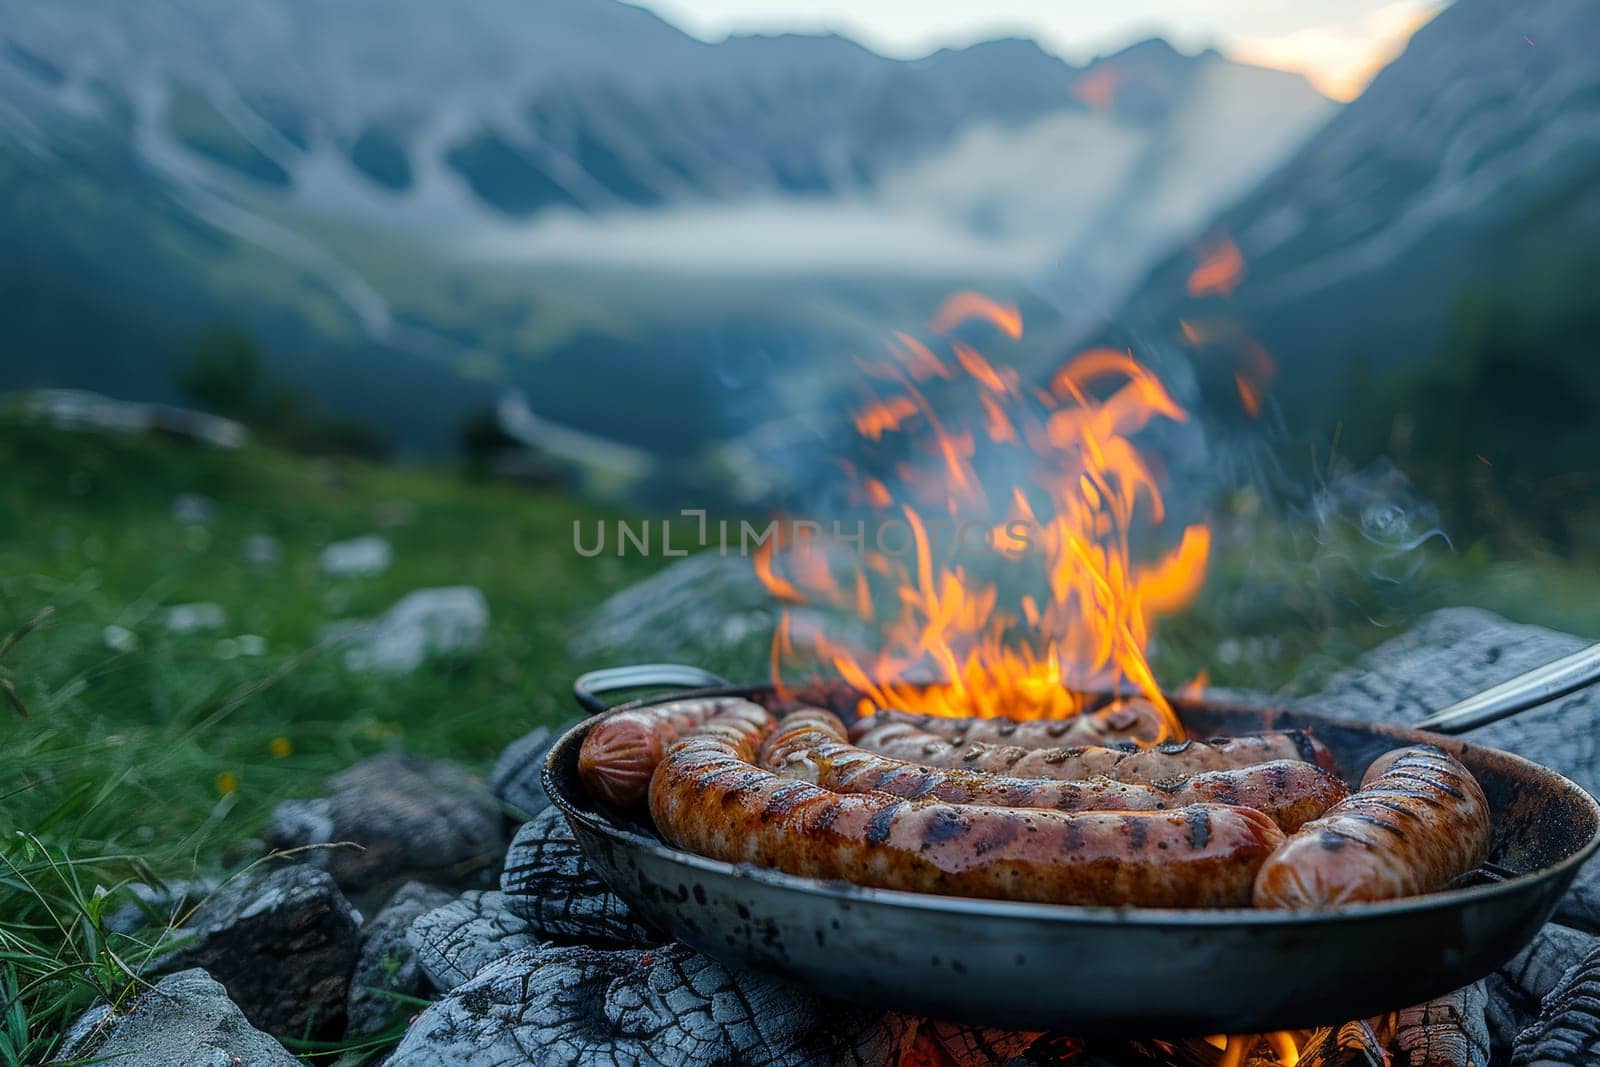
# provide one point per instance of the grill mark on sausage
(825, 817)
(1400, 770)
(1199, 827)
(1398, 809)
(784, 800)
(1373, 820)
(1138, 833)
(1000, 835)
(882, 822)
(944, 825)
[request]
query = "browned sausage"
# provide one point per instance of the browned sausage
(621, 751)
(1124, 762)
(1418, 821)
(1128, 720)
(810, 745)
(708, 797)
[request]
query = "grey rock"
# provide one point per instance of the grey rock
(360, 557)
(192, 509)
(386, 964)
(186, 1018)
(516, 780)
(548, 882)
(668, 1005)
(410, 817)
(706, 609)
(455, 941)
(262, 550)
(192, 618)
(282, 945)
(158, 905)
(421, 625)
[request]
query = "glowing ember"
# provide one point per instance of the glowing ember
(1220, 270)
(1045, 487)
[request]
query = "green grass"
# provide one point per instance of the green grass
(164, 759)
(161, 761)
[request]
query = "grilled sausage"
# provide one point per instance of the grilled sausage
(1128, 720)
(809, 745)
(621, 751)
(1123, 762)
(708, 797)
(1418, 822)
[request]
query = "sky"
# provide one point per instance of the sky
(1337, 44)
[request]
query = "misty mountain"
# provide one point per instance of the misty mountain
(531, 194)
(1471, 165)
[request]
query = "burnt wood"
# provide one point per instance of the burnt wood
(665, 1005)
(1450, 1031)
(1568, 1027)
(548, 882)
(1355, 1044)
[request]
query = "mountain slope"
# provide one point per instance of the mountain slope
(539, 195)
(1484, 131)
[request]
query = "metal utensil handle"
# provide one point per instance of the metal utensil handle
(589, 689)
(1557, 679)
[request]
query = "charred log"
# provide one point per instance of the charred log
(1449, 1031)
(548, 882)
(1355, 1044)
(1568, 1028)
(666, 1005)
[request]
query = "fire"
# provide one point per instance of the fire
(1012, 584)
(1220, 271)
(1097, 90)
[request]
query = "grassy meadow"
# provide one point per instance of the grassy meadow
(129, 752)
(132, 753)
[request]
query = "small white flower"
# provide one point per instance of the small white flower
(119, 639)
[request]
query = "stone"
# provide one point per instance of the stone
(517, 778)
(193, 618)
(283, 946)
(641, 1006)
(410, 817)
(707, 610)
(455, 941)
(422, 625)
(159, 906)
(185, 1018)
(360, 557)
(192, 509)
(549, 883)
(262, 550)
(386, 964)
(119, 638)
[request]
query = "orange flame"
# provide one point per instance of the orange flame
(1220, 270)
(1070, 607)
(1097, 90)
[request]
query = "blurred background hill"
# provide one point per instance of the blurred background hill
(413, 205)
(418, 213)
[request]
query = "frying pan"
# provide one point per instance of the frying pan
(1096, 971)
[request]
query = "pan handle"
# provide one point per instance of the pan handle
(589, 689)
(1556, 679)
